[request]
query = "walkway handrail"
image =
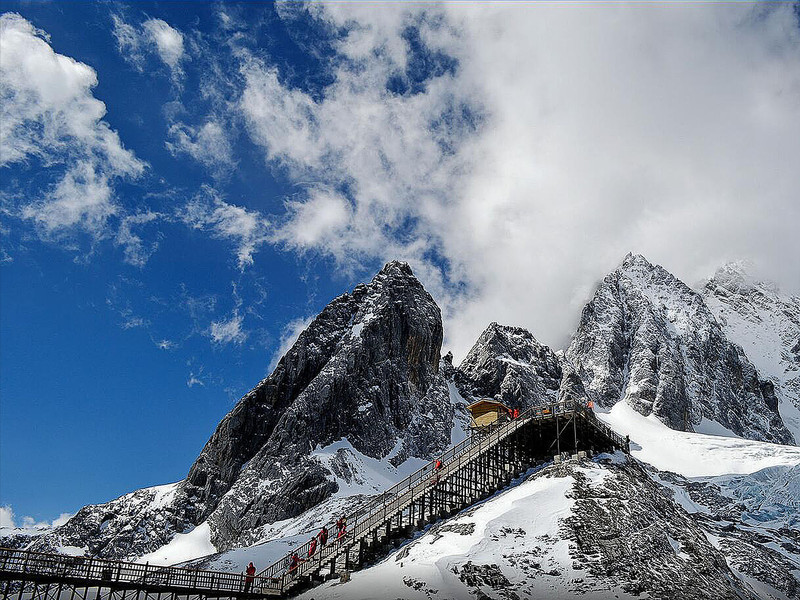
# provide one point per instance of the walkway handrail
(121, 573)
(363, 517)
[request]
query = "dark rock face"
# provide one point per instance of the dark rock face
(647, 339)
(366, 369)
(508, 364)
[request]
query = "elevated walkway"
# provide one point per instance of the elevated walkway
(27, 575)
(467, 473)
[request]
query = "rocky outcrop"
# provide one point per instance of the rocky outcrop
(380, 388)
(649, 340)
(366, 369)
(751, 518)
(508, 364)
(365, 381)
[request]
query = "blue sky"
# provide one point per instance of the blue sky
(111, 376)
(184, 185)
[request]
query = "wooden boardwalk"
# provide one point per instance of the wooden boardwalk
(469, 472)
(39, 576)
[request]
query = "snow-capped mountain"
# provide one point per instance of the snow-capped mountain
(362, 399)
(365, 370)
(648, 339)
(766, 323)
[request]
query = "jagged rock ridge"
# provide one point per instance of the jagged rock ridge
(510, 365)
(648, 339)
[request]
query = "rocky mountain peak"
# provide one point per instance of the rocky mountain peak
(364, 373)
(736, 278)
(636, 261)
(396, 268)
(765, 322)
(648, 339)
(510, 365)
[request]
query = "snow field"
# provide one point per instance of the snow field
(694, 454)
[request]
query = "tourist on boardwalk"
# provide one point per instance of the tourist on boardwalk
(294, 562)
(312, 546)
(341, 525)
(323, 535)
(437, 465)
(248, 581)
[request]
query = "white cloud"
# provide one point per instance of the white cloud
(208, 144)
(154, 35)
(247, 229)
(129, 42)
(83, 198)
(8, 520)
(564, 137)
(62, 519)
(230, 331)
(50, 114)
(136, 250)
(315, 221)
(168, 42)
(7, 517)
(194, 380)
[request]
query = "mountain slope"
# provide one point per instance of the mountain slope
(591, 529)
(766, 324)
(647, 339)
(366, 370)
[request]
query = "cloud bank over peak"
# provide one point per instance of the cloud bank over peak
(538, 145)
(513, 154)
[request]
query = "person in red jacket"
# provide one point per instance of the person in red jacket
(251, 573)
(323, 535)
(312, 546)
(294, 562)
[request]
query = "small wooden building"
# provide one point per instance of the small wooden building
(485, 412)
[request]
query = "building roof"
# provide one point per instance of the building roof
(486, 404)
